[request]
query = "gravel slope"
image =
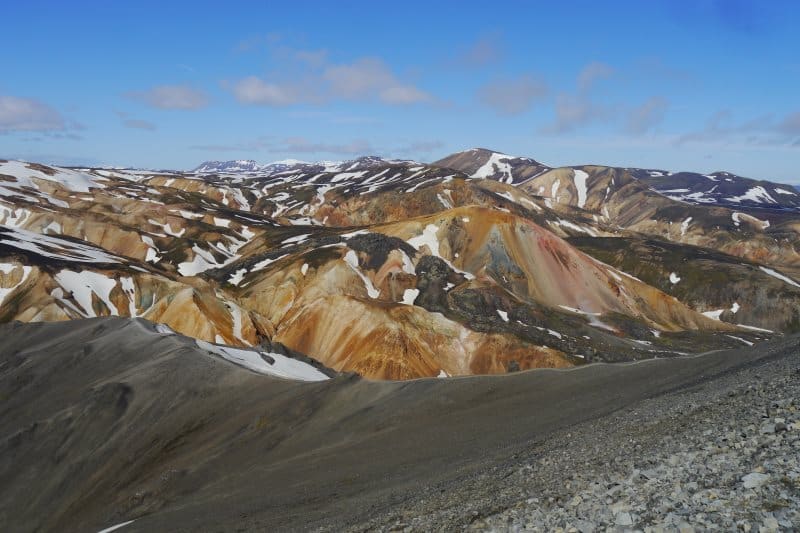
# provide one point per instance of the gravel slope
(106, 421)
(722, 454)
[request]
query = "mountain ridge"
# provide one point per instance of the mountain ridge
(397, 269)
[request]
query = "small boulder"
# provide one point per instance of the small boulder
(754, 480)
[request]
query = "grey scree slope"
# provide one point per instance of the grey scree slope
(106, 420)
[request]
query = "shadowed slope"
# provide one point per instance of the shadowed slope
(106, 420)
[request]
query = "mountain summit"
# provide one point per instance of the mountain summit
(484, 163)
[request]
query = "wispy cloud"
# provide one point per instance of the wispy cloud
(301, 145)
(290, 145)
(370, 78)
(183, 97)
(648, 115)
(575, 111)
(592, 73)
(255, 145)
(419, 147)
(294, 146)
(656, 70)
(135, 123)
(27, 114)
(252, 90)
(316, 81)
(255, 42)
(56, 159)
(486, 50)
(139, 124)
(723, 128)
(513, 96)
(790, 124)
(331, 117)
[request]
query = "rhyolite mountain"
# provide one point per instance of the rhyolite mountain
(720, 188)
(479, 263)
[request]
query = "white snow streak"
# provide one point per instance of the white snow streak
(580, 184)
(283, 367)
(780, 276)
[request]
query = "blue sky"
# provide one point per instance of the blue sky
(703, 85)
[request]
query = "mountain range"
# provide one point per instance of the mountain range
(479, 263)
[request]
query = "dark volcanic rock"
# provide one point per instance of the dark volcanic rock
(377, 247)
(432, 278)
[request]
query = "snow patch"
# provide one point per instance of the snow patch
(757, 194)
(580, 184)
(296, 239)
(554, 190)
(152, 251)
(7, 268)
(261, 265)
(282, 367)
(737, 219)
(69, 179)
(429, 238)
(714, 314)
(129, 289)
(54, 247)
(685, 225)
(409, 295)
(237, 277)
(496, 163)
(740, 339)
(116, 527)
(352, 260)
(780, 276)
(83, 285)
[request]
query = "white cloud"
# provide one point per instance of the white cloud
(25, 114)
(648, 115)
(723, 128)
(403, 95)
(573, 112)
(514, 96)
(358, 79)
(172, 97)
(254, 90)
(485, 51)
(366, 79)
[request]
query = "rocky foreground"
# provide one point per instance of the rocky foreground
(723, 455)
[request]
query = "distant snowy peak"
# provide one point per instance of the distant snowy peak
(481, 163)
(248, 166)
(239, 165)
(720, 188)
(20, 178)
